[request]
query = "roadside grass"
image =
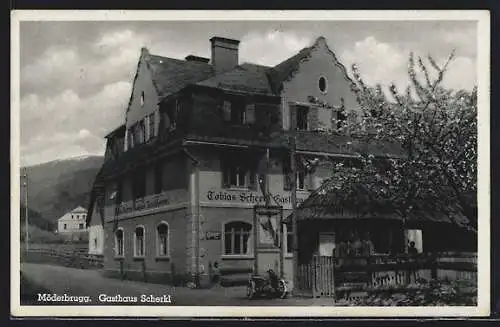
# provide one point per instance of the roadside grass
(29, 291)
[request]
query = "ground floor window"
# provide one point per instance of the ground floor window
(139, 242)
(237, 238)
(119, 242)
(162, 239)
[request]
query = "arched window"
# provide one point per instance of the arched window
(162, 239)
(237, 238)
(139, 241)
(142, 98)
(119, 247)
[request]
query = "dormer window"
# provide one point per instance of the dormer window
(142, 98)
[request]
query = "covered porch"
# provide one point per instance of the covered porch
(347, 253)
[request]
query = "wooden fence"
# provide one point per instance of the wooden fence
(77, 258)
(325, 276)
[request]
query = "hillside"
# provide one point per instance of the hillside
(35, 219)
(59, 186)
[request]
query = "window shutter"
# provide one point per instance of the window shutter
(313, 119)
(226, 110)
(250, 113)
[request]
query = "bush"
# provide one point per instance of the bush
(432, 293)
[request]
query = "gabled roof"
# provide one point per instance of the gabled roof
(119, 131)
(79, 209)
(246, 78)
(286, 69)
(172, 75)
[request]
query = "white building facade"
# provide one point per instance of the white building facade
(73, 224)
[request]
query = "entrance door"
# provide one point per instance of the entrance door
(324, 285)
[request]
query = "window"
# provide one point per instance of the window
(139, 242)
(302, 118)
(72, 217)
(95, 243)
(162, 239)
(341, 118)
(130, 136)
(301, 180)
(77, 216)
(237, 174)
(289, 239)
(80, 226)
(142, 98)
(237, 238)
(250, 113)
(323, 84)
(119, 246)
(152, 126)
(65, 226)
(139, 130)
(177, 108)
(142, 131)
(237, 112)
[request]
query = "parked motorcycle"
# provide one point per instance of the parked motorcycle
(270, 286)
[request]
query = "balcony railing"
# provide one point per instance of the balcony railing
(147, 202)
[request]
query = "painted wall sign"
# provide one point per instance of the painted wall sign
(213, 235)
(249, 197)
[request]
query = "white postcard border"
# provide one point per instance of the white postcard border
(483, 60)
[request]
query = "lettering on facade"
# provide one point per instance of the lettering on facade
(213, 235)
(249, 197)
(143, 203)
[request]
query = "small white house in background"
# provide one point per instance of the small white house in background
(96, 233)
(73, 224)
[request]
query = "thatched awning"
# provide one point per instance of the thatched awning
(330, 203)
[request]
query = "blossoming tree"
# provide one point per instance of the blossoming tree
(436, 128)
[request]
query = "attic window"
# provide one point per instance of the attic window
(323, 84)
(142, 98)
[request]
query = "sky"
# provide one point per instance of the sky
(76, 77)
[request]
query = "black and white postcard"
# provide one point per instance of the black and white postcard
(253, 163)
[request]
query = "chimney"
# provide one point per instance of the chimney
(224, 54)
(196, 58)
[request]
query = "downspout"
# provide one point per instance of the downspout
(195, 216)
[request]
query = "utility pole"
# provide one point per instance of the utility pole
(295, 238)
(25, 184)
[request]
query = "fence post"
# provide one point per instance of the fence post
(434, 265)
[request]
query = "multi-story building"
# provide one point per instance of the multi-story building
(72, 225)
(179, 184)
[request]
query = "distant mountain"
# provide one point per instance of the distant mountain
(59, 186)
